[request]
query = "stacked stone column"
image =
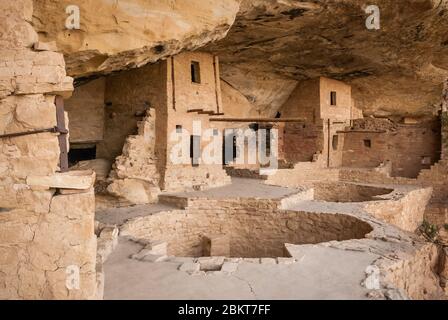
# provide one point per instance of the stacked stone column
(46, 227)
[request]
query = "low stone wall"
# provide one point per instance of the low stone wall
(303, 173)
(181, 178)
(406, 212)
(347, 192)
(404, 208)
(255, 228)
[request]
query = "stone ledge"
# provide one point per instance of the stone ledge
(78, 180)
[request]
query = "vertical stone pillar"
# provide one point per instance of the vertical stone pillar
(47, 241)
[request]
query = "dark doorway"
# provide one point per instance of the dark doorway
(79, 153)
(195, 150)
(333, 101)
(195, 72)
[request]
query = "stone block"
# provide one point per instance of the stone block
(79, 180)
(141, 254)
(154, 258)
(135, 191)
(210, 263)
(45, 46)
(159, 248)
(190, 267)
(282, 260)
(110, 235)
(229, 267)
(233, 259)
(268, 261)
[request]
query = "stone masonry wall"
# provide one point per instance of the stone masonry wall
(86, 112)
(409, 147)
(254, 227)
(134, 175)
(41, 233)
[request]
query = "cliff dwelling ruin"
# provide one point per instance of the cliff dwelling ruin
(223, 150)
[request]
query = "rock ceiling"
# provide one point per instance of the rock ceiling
(272, 44)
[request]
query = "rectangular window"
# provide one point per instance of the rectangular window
(333, 98)
(178, 128)
(367, 143)
(195, 72)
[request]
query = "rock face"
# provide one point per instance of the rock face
(131, 33)
(397, 69)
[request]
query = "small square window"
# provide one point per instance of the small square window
(333, 101)
(215, 132)
(367, 143)
(178, 128)
(195, 72)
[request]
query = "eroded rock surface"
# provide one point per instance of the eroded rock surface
(131, 33)
(397, 69)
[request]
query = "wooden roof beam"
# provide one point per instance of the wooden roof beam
(257, 119)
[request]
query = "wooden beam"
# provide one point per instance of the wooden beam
(257, 119)
(361, 131)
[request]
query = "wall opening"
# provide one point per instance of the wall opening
(229, 148)
(335, 142)
(178, 128)
(81, 152)
(195, 72)
(195, 150)
(367, 143)
(333, 101)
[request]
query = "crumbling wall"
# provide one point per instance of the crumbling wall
(41, 234)
(134, 175)
(415, 274)
(409, 147)
(128, 95)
